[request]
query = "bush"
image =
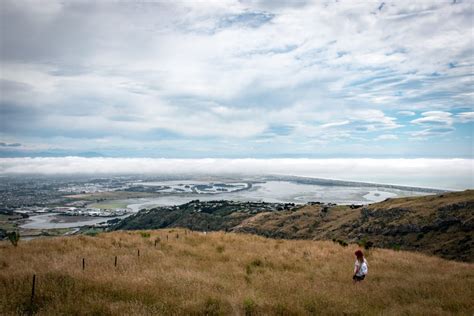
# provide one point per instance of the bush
(365, 244)
(256, 263)
(249, 307)
(91, 232)
(14, 237)
(311, 308)
(145, 234)
(342, 242)
(253, 264)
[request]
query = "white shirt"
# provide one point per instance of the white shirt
(363, 268)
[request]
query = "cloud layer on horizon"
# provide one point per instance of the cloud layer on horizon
(237, 78)
(434, 173)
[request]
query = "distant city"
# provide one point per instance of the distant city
(39, 205)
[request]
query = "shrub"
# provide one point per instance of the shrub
(253, 264)
(365, 244)
(91, 232)
(145, 234)
(256, 263)
(311, 308)
(342, 242)
(14, 237)
(248, 269)
(249, 307)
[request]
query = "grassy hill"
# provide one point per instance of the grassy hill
(223, 274)
(440, 224)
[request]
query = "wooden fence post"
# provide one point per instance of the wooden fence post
(115, 263)
(83, 264)
(32, 295)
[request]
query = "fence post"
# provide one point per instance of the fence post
(83, 264)
(32, 295)
(138, 252)
(115, 263)
(155, 243)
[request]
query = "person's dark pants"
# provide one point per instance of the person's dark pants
(358, 278)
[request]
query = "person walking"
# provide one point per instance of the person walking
(360, 267)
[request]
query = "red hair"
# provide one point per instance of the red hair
(359, 254)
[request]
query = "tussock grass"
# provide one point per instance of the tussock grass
(224, 274)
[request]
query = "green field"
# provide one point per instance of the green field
(9, 222)
(109, 204)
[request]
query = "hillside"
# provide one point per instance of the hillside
(199, 215)
(441, 225)
(436, 224)
(192, 273)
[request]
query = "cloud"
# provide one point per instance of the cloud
(335, 124)
(434, 118)
(439, 173)
(387, 137)
(230, 73)
(435, 123)
(433, 131)
(3, 144)
(465, 117)
(246, 19)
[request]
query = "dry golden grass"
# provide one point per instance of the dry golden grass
(228, 274)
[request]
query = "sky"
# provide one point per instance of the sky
(237, 79)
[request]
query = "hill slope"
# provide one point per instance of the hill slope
(436, 224)
(223, 274)
(440, 224)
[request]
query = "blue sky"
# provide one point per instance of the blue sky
(236, 79)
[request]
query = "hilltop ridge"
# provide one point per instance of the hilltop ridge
(441, 224)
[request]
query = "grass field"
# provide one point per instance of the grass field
(109, 204)
(223, 274)
(110, 195)
(9, 222)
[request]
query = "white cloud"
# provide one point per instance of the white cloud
(435, 123)
(387, 137)
(465, 117)
(434, 118)
(433, 131)
(231, 69)
(335, 124)
(439, 173)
